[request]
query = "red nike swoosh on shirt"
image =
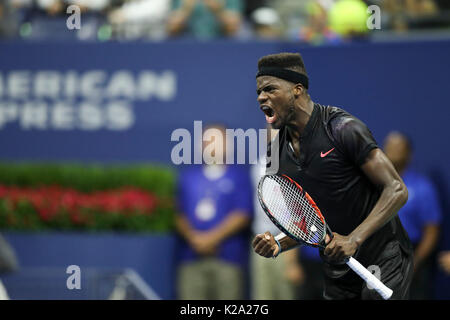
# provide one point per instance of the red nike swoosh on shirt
(322, 155)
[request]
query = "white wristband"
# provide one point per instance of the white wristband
(280, 236)
(277, 239)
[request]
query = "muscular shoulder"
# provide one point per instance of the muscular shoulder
(340, 121)
(350, 133)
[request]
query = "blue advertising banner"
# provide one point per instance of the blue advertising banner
(121, 102)
(118, 102)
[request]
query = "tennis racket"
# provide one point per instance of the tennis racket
(295, 213)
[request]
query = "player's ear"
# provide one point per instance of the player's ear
(298, 90)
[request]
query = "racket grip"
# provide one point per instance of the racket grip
(369, 278)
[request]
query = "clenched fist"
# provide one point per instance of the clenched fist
(339, 247)
(265, 245)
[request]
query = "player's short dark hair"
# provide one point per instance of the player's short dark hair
(285, 60)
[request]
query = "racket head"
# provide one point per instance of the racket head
(292, 210)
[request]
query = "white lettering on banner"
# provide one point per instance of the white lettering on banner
(121, 85)
(73, 100)
(38, 115)
(91, 83)
(166, 85)
(47, 84)
(8, 113)
(148, 83)
(119, 116)
(19, 84)
(34, 116)
(91, 117)
(71, 84)
(62, 117)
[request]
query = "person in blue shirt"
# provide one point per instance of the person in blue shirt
(205, 19)
(420, 216)
(215, 210)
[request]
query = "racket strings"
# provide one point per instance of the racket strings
(290, 207)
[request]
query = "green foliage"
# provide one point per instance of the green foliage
(23, 215)
(156, 179)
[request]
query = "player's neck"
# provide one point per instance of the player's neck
(303, 112)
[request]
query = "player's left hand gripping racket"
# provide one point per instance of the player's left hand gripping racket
(296, 214)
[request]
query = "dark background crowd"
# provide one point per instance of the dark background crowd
(313, 21)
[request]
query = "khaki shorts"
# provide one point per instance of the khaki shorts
(210, 279)
(268, 279)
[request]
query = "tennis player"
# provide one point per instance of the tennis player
(334, 156)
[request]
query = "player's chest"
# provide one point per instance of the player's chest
(319, 162)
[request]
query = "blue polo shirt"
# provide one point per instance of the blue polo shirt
(309, 253)
(207, 199)
(422, 207)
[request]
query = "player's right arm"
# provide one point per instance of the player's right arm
(265, 245)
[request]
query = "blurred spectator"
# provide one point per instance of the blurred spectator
(271, 279)
(43, 8)
(295, 20)
(266, 23)
(317, 29)
(205, 19)
(8, 20)
(252, 5)
(312, 21)
(402, 15)
(140, 19)
(293, 15)
(46, 19)
(92, 20)
(89, 5)
(215, 204)
(421, 215)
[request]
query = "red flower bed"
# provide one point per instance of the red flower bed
(52, 202)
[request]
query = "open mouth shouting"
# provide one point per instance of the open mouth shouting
(271, 116)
